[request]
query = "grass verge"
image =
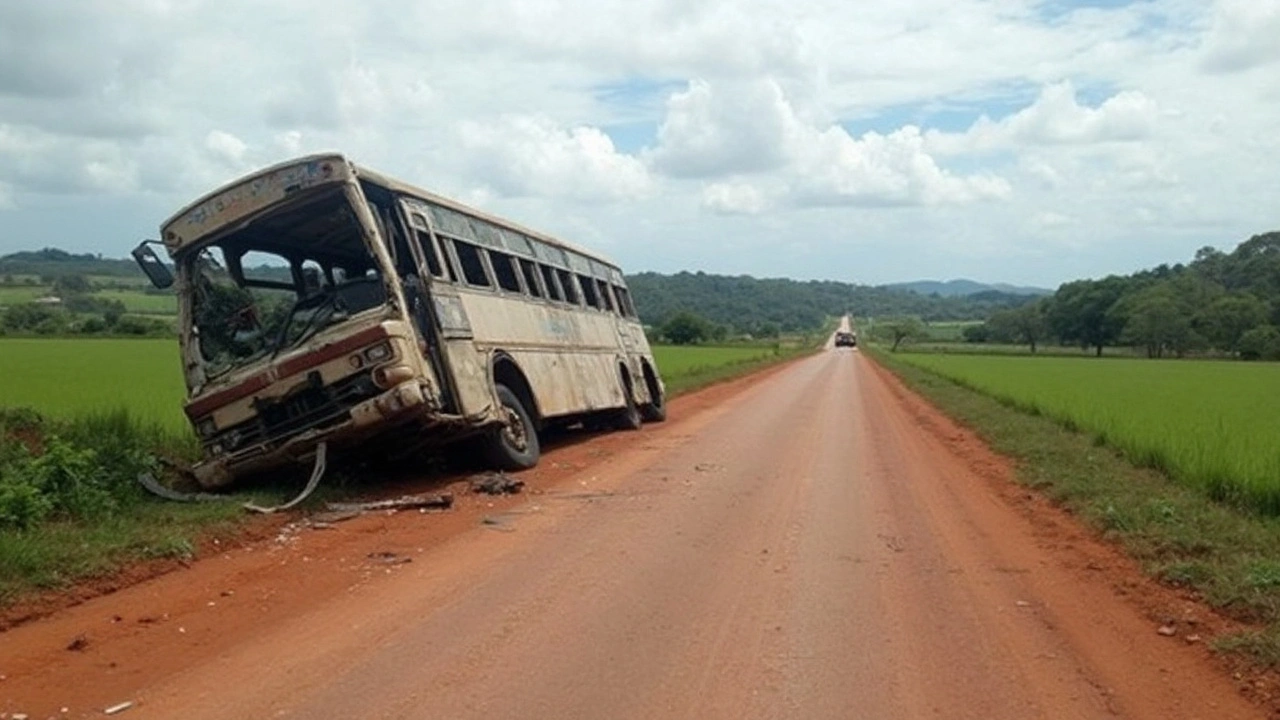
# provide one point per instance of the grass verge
(1231, 558)
(688, 368)
(71, 509)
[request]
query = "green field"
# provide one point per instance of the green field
(1211, 425)
(17, 294)
(63, 378)
(684, 367)
(141, 303)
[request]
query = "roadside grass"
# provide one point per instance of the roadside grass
(685, 368)
(1230, 557)
(1208, 424)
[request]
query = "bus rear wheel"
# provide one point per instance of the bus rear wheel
(628, 417)
(514, 446)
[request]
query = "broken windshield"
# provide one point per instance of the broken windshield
(279, 281)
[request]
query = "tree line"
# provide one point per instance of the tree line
(1219, 303)
(715, 306)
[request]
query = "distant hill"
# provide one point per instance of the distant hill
(749, 304)
(741, 303)
(52, 262)
(962, 288)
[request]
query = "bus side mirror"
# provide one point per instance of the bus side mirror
(151, 264)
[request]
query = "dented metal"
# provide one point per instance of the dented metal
(466, 299)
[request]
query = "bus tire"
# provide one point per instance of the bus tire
(629, 417)
(514, 446)
(656, 409)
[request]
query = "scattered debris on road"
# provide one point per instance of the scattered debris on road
(389, 558)
(495, 484)
(441, 501)
(79, 643)
(1167, 630)
(119, 707)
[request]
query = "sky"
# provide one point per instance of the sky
(1023, 141)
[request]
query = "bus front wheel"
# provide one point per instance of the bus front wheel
(514, 446)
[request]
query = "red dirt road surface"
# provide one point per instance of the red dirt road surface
(810, 543)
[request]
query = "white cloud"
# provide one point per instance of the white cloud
(522, 155)
(226, 148)
(718, 130)
(894, 169)
(1057, 118)
(1245, 34)
(735, 128)
(734, 198)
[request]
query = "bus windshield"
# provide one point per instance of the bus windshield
(278, 281)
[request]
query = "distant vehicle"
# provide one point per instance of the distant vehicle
(324, 303)
(846, 339)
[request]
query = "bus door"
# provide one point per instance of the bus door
(451, 340)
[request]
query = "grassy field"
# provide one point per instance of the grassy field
(18, 294)
(1208, 424)
(141, 303)
(685, 367)
(63, 378)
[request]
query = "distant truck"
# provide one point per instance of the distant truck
(846, 339)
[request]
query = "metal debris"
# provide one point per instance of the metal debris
(495, 484)
(317, 472)
(442, 501)
(119, 708)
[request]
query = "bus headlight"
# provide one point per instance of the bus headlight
(378, 353)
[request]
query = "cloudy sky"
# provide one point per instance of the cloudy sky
(1025, 141)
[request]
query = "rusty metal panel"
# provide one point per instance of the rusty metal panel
(248, 196)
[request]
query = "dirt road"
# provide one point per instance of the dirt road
(811, 544)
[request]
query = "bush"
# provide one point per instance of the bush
(80, 470)
(1260, 343)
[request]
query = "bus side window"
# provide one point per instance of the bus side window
(549, 277)
(504, 271)
(472, 266)
(530, 277)
(589, 291)
(433, 258)
(624, 301)
(569, 286)
(605, 295)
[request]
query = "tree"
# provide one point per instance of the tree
(685, 328)
(1026, 325)
(979, 333)
(1081, 312)
(1157, 322)
(1227, 319)
(900, 329)
(1260, 343)
(72, 284)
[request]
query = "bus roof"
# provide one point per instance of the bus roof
(391, 184)
(408, 189)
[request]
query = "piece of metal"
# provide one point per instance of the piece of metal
(317, 472)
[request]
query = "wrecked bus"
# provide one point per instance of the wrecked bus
(322, 305)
